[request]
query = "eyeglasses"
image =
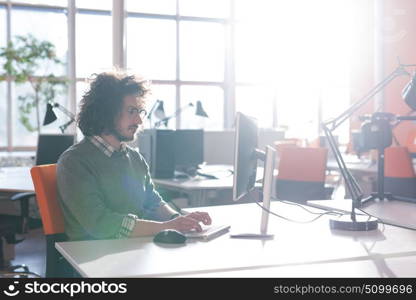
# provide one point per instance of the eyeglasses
(135, 112)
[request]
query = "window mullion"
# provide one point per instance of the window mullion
(72, 91)
(9, 117)
(178, 59)
(119, 44)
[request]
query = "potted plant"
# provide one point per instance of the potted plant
(29, 60)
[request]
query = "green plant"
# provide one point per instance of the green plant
(29, 60)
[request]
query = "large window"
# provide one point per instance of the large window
(202, 51)
(162, 7)
(3, 87)
(3, 115)
(295, 56)
(212, 100)
(93, 42)
(284, 62)
(61, 3)
(180, 45)
(20, 19)
(151, 47)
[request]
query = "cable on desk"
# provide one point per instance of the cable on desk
(371, 216)
(295, 221)
(366, 213)
(304, 208)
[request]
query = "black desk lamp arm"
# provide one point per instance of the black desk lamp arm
(336, 122)
(66, 112)
(330, 125)
(350, 182)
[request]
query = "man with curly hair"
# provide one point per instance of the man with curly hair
(104, 186)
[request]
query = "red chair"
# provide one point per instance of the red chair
(301, 174)
(400, 177)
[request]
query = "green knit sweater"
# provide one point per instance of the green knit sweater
(97, 192)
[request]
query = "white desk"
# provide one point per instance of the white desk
(383, 266)
(399, 213)
(15, 180)
(355, 166)
(364, 171)
(297, 247)
(198, 189)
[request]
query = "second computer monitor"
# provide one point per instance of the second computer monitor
(245, 169)
(245, 159)
(189, 148)
(51, 146)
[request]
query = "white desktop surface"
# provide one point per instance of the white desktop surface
(363, 267)
(16, 179)
(356, 165)
(196, 184)
(224, 181)
(364, 167)
(399, 213)
(294, 245)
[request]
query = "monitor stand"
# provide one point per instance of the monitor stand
(269, 159)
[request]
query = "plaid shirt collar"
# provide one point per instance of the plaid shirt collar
(105, 147)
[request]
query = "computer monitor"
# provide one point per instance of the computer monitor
(189, 149)
(156, 147)
(246, 155)
(51, 146)
(245, 158)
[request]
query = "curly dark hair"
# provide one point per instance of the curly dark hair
(102, 103)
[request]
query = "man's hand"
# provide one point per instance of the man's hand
(186, 223)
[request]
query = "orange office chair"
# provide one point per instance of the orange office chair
(286, 143)
(399, 174)
(411, 142)
(301, 174)
(44, 180)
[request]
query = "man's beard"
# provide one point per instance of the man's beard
(121, 137)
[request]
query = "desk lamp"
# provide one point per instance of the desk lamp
(50, 115)
(157, 110)
(379, 131)
(199, 111)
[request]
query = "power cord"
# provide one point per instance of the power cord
(296, 221)
(371, 216)
(304, 208)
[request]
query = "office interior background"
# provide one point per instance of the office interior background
(279, 61)
(290, 64)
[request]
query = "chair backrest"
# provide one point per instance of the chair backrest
(411, 141)
(301, 174)
(303, 164)
(287, 143)
(400, 178)
(44, 180)
(398, 163)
